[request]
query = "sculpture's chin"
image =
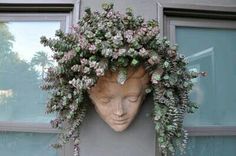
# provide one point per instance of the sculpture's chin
(119, 128)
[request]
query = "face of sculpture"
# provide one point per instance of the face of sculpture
(118, 104)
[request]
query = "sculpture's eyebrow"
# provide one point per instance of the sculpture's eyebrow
(133, 93)
(107, 96)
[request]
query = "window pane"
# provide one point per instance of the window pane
(211, 146)
(23, 62)
(214, 51)
(26, 144)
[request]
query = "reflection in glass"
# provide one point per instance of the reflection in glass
(211, 146)
(213, 51)
(26, 144)
(23, 62)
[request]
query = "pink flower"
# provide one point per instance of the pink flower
(93, 64)
(121, 51)
(92, 48)
(67, 56)
(109, 14)
(117, 39)
(75, 28)
(115, 54)
(153, 32)
(154, 60)
(75, 68)
(83, 61)
(143, 29)
(129, 35)
(100, 72)
(143, 52)
(83, 43)
(86, 70)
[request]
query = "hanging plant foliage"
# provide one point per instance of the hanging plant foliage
(111, 41)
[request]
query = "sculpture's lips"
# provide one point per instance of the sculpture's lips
(120, 121)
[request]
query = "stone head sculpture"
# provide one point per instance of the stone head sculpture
(117, 104)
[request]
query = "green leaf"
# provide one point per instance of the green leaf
(134, 62)
(161, 140)
(157, 127)
(169, 94)
(166, 64)
(93, 58)
(171, 148)
(88, 10)
(170, 127)
(122, 61)
(129, 11)
(157, 77)
(186, 84)
(148, 90)
(173, 79)
(77, 49)
(69, 96)
(166, 77)
(107, 6)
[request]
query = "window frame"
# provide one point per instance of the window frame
(166, 9)
(172, 23)
(64, 11)
(171, 15)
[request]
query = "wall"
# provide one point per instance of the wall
(146, 8)
(202, 2)
(98, 139)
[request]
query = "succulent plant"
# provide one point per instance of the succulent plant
(114, 41)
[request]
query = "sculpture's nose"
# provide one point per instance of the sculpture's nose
(119, 109)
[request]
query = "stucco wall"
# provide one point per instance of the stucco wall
(139, 139)
(203, 2)
(146, 8)
(98, 139)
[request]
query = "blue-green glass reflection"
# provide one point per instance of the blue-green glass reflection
(211, 146)
(23, 63)
(26, 144)
(214, 51)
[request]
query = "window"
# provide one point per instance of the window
(24, 126)
(210, 47)
(207, 39)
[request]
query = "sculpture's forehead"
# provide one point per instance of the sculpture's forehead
(133, 73)
(107, 85)
(110, 88)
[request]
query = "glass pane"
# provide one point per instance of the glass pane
(23, 62)
(211, 146)
(26, 144)
(214, 51)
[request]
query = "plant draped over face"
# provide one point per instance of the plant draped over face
(110, 41)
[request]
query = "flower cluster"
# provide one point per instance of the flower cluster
(111, 41)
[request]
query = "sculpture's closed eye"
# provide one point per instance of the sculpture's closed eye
(105, 100)
(132, 98)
